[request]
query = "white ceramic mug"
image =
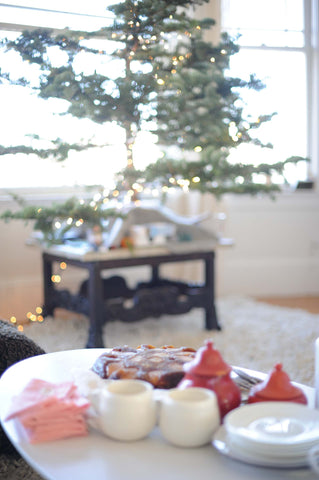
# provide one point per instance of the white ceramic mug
(140, 235)
(189, 417)
(126, 409)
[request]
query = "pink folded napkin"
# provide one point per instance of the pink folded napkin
(49, 411)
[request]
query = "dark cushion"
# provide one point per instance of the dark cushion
(14, 346)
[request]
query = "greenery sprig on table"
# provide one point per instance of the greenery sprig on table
(55, 221)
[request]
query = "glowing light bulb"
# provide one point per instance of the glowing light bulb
(139, 188)
(56, 278)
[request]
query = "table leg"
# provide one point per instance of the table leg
(96, 307)
(155, 273)
(211, 321)
(48, 287)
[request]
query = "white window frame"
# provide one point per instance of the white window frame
(311, 51)
(311, 15)
(41, 194)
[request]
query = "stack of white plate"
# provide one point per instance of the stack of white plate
(276, 434)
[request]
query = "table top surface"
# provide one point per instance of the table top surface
(82, 251)
(126, 257)
(106, 459)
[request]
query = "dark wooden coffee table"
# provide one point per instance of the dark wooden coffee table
(106, 299)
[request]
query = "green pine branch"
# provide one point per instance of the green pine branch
(89, 213)
(60, 150)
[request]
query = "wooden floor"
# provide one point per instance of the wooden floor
(310, 304)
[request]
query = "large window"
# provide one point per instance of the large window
(279, 43)
(23, 114)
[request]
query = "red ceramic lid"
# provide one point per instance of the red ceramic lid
(277, 386)
(207, 362)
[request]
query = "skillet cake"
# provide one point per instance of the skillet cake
(160, 366)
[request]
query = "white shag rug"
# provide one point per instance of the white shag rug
(254, 335)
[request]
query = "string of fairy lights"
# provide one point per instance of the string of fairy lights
(37, 315)
(176, 61)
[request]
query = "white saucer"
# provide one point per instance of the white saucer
(222, 442)
(284, 426)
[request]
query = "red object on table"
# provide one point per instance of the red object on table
(209, 370)
(277, 387)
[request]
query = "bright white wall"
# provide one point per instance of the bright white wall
(276, 243)
(276, 248)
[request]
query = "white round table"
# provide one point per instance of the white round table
(101, 458)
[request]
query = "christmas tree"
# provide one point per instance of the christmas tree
(171, 83)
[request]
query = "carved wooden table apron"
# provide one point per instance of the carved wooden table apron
(106, 299)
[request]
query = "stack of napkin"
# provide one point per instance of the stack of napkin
(49, 411)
